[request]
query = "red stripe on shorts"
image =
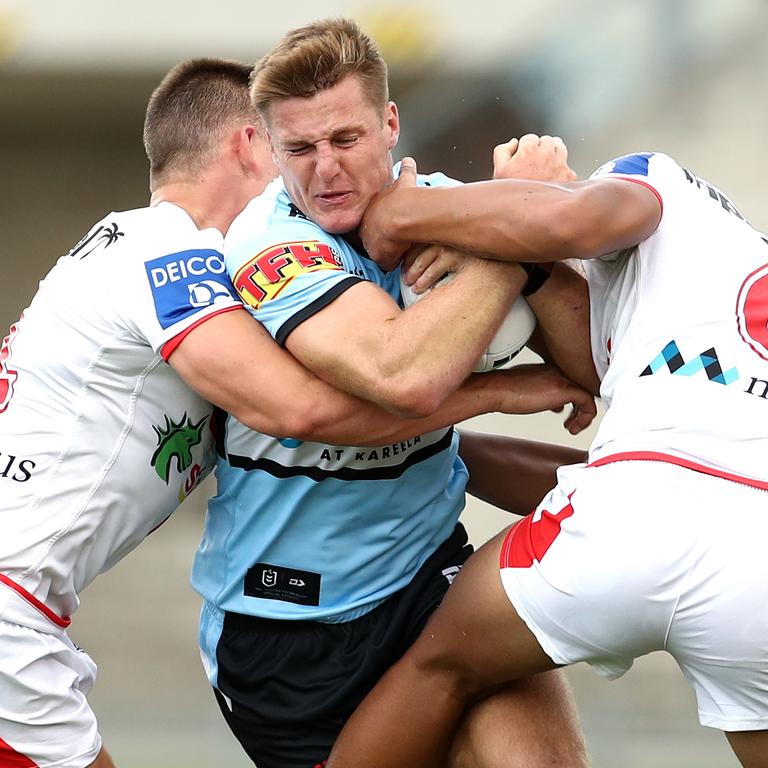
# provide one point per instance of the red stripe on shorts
(10, 758)
(530, 539)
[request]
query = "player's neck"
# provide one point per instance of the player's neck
(208, 204)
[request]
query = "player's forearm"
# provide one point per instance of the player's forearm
(520, 220)
(512, 473)
(430, 348)
(345, 420)
(561, 307)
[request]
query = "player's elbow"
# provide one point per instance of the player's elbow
(410, 397)
(299, 420)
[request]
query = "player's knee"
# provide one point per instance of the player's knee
(447, 668)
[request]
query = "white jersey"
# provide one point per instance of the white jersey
(680, 331)
(100, 440)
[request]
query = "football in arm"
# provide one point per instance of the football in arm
(511, 337)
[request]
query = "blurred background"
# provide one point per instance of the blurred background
(682, 76)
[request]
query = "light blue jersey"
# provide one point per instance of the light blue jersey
(302, 530)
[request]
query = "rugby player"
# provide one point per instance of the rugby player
(320, 564)
(657, 541)
(105, 390)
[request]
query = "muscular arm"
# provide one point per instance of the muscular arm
(512, 473)
(561, 307)
(408, 361)
(519, 220)
(233, 362)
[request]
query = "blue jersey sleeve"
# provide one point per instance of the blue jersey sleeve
(288, 272)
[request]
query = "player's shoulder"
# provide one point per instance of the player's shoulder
(643, 165)
(268, 220)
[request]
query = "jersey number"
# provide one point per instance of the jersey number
(8, 375)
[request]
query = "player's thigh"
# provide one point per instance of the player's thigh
(751, 747)
(44, 713)
(103, 760)
(719, 634)
(530, 723)
(475, 635)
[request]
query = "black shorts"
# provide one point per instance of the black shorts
(293, 684)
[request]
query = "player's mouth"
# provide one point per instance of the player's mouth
(334, 199)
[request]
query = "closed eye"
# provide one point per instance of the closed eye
(299, 150)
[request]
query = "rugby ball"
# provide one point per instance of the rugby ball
(511, 337)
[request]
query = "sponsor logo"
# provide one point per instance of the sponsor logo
(183, 283)
(714, 193)
(274, 582)
(16, 468)
(208, 292)
(174, 444)
(707, 361)
(269, 272)
(451, 572)
(752, 311)
(103, 236)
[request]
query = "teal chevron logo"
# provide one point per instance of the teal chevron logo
(708, 361)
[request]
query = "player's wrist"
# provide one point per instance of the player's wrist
(537, 274)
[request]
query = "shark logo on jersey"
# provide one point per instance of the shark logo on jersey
(174, 443)
(707, 361)
(182, 283)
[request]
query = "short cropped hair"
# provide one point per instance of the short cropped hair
(316, 57)
(189, 112)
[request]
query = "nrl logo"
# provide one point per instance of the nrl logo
(175, 441)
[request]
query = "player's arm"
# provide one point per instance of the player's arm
(408, 361)
(519, 220)
(513, 473)
(233, 362)
(561, 306)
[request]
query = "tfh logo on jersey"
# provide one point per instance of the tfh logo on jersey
(182, 283)
(270, 271)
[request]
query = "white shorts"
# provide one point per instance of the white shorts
(636, 556)
(44, 715)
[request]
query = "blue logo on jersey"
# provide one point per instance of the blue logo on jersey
(290, 442)
(184, 282)
(631, 165)
(671, 358)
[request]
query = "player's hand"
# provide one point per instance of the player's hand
(376, 227)
(541, 158)
(543, 387)
(424, 265)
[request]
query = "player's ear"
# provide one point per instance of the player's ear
(392, 122)
(243, 141)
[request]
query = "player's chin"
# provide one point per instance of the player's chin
(339, 222)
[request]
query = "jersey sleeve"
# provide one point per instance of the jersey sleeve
(287, 272)
(653, 170)
(165, 278)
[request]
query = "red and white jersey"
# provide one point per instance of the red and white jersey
(100, 440)
(680, 330)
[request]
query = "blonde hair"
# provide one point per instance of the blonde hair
(190, 111)
(316, 57)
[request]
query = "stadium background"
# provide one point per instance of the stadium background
(683, 76)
